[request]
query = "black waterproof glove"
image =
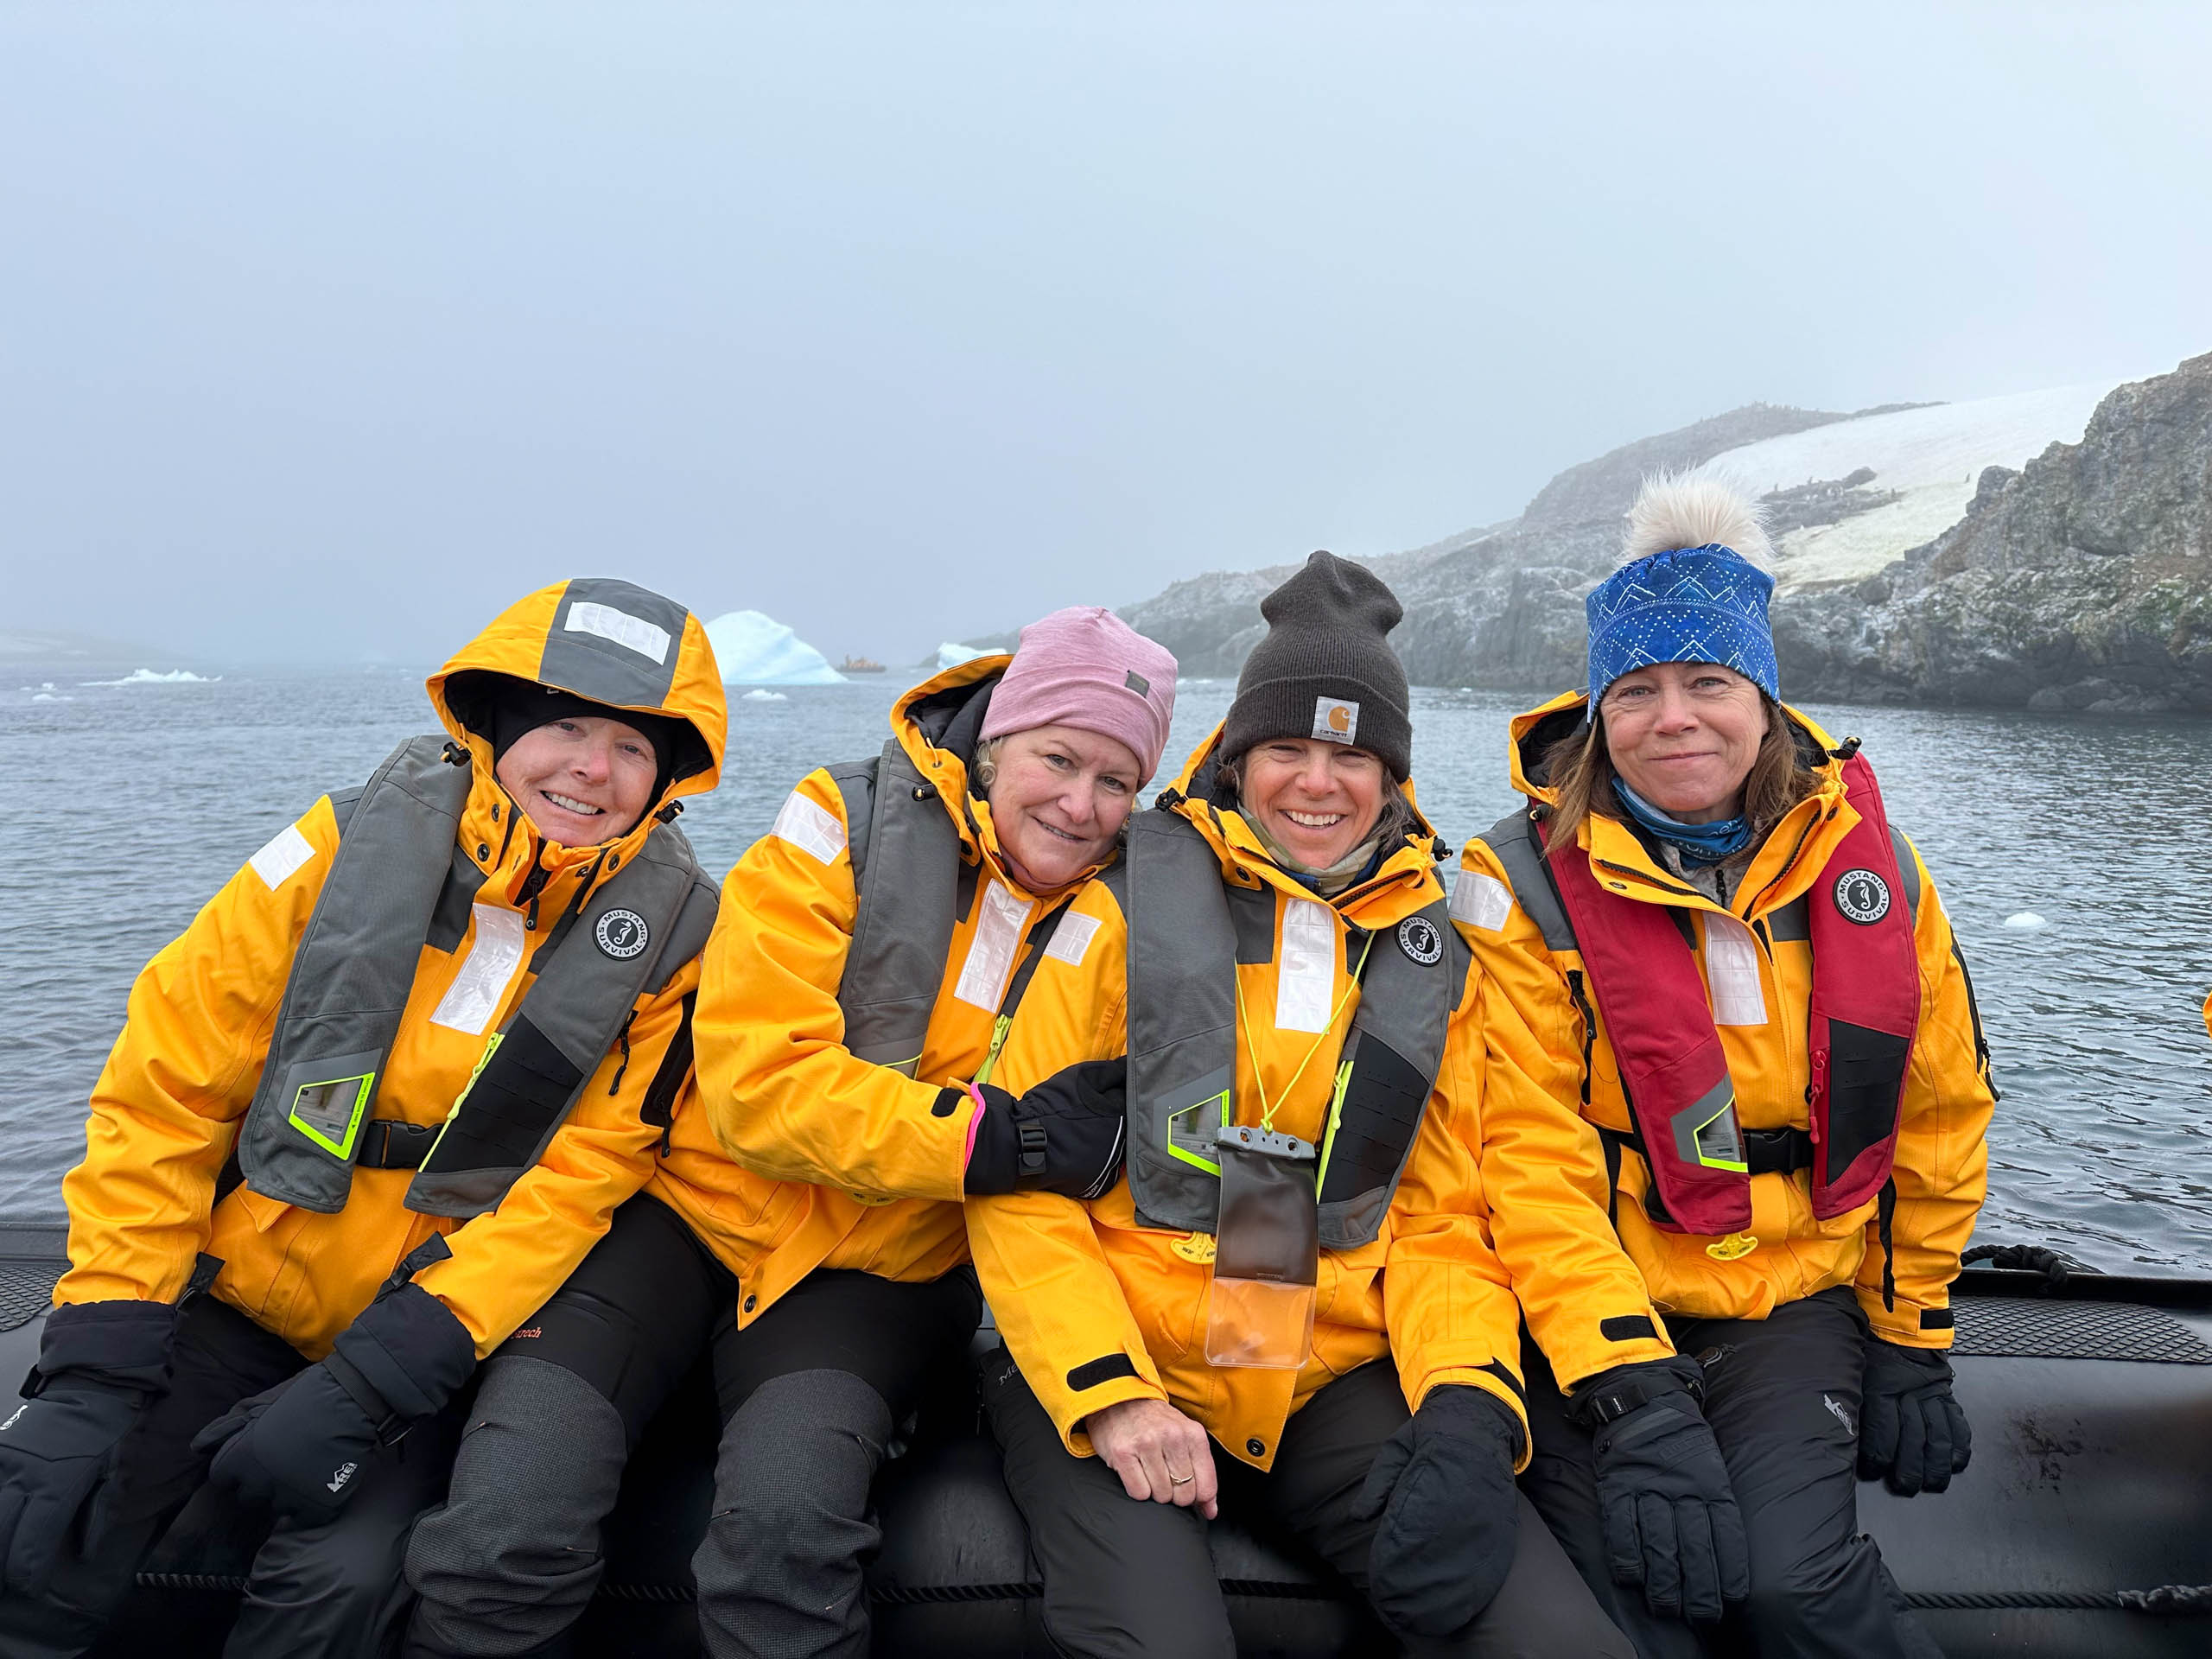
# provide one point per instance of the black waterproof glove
(300, 1446)
(1064, 1135)
(99, 1363)
(1911, 1428)
(1670, 1516)
(1443, 1486)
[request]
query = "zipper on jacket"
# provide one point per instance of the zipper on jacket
(1974, 1012)
(508, 834)
(622, 1037)
(1790, 863)
(1663, 884)
(1589, 1025)
(532, 886)
(1817, 1080)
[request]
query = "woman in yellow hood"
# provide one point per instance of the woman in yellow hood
(1705, 937)
(459, 993)
(804, 1229)
(1305, 1296)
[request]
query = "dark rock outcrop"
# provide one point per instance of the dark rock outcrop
(2084, 582)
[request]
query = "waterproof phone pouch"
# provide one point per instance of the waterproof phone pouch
(1266, 1252)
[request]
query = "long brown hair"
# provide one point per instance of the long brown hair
(1580, 770)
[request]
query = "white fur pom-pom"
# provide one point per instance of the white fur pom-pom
(1694, 510)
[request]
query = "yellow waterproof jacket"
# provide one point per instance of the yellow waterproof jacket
(167, 1108)
(796, 1154)
(1539, 1047)
(1495, 1198)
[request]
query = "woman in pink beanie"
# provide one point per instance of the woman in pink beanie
(1075, 725)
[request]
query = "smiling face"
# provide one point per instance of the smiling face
(1317, 800)
(1058, 798)
(1683, 735)
(583, 780)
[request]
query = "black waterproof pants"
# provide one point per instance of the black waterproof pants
(322, 1590)
(809, 1396)
(1782, 1393)
(1129, 1579)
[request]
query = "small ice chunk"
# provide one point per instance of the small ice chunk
(758, 696)
(151, 677)
(2026, 921)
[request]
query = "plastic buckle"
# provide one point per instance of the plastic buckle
(1031, 1161)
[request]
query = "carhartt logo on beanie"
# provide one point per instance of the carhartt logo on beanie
(1326, 670)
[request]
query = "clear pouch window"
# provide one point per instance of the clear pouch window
(1267, 1252)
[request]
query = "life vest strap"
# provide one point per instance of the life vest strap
(392, 1143)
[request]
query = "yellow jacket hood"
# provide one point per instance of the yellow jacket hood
(606, 639)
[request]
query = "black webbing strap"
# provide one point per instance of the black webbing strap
(388, 1143)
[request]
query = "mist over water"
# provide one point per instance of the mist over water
(134, 802)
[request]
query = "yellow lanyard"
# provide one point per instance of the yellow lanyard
(1259, 1080)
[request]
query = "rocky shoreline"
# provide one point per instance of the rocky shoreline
(2081, 580)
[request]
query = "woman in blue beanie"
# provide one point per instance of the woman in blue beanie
(1704, 935)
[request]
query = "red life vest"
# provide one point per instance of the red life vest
(1865, 1012)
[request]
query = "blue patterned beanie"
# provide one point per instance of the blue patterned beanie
(1689, 591)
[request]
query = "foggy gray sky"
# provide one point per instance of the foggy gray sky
(325, 331)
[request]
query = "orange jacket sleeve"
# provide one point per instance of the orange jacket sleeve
(1053, 1294)
(787, 1099)
(1585, 1301)
(1942, 1169)
(1447, 1298)
(182, 1073)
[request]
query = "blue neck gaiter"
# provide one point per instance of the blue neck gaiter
(1700, 843)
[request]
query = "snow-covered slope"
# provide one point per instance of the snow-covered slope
(751, 649)
(1925, 463)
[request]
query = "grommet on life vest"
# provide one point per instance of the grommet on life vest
(1258, 1448)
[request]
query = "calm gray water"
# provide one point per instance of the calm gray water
(137, 801)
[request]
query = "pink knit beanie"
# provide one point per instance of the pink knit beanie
(1084, 667)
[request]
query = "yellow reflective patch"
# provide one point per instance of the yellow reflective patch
(1734, 1248)
(329, 1113)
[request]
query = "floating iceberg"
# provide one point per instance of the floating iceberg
(150, 677)
(2026, 921)
(766, 696)
(951, 656)
(755, 650)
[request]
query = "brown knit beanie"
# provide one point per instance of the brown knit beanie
(1325, 668)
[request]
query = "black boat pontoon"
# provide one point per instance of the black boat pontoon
(2084, 1526)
